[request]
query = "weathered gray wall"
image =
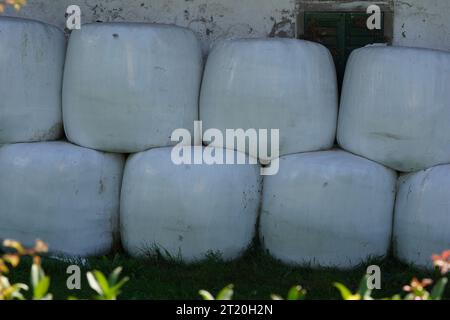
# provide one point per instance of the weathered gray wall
(211, 19)
(422, 23)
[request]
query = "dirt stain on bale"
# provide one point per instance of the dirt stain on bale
(389, 136)
(101, 186)
(53, 133)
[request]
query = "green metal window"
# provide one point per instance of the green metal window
(341, 33)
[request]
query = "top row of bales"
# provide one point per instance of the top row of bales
(126, 87)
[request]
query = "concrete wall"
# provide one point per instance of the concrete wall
(422, 23)
(211, 19)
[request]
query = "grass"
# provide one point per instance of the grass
(255, 275)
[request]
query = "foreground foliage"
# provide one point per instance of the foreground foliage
(16, 4)
(106, 288)
(416, 290)
(109, 288)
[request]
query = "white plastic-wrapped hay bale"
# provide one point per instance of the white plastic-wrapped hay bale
(395, 107)
(328, 208)
(31, 67)
(283, 84)
(127, 86)
(422, 216)
(65, 195)
(187, 211)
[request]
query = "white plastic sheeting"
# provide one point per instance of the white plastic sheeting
(188, 211)
(282, 84)
(65, 195)
(395, 107)
(328, 209)
(31, 68)
(128, 86)
(422, 216)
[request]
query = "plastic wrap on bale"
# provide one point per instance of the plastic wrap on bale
(31, 69)
(395, 107)
(127, 86)
(282, 84)
(329, 209)
(422, 215)
(188, 211)
(64, 195)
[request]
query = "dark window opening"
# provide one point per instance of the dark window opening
(341, 33)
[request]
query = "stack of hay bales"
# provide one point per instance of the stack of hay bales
(128, 86)
(322, 208)
(131, 101)
(55, 191)
(395, 109)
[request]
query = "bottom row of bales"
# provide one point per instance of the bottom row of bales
(327, 208)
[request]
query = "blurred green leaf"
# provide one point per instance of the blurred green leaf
(93, 283)
(206, 295)
(41, 290)
(226, 293)
(296, 293)
(364, 292)
(438, 290)
(114, 276)
(102, 282)
(36, 275)
(346, 294)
